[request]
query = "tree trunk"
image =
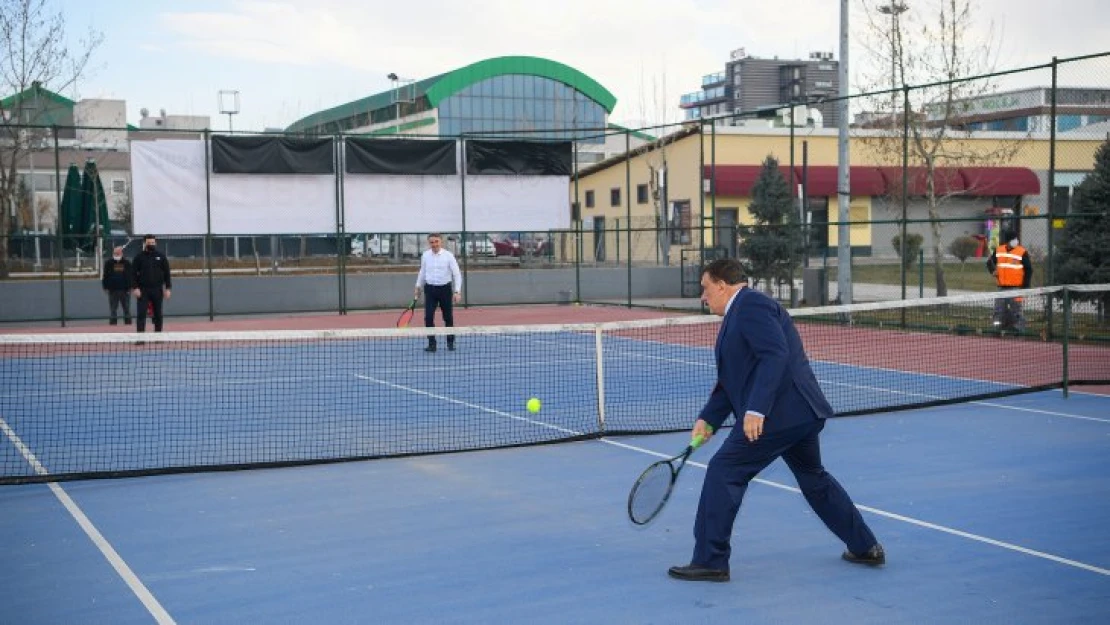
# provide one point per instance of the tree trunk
(4, 268)
(938, 256)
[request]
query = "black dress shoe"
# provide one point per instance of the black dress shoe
(430, 348)
(695, 573)
(875, 556)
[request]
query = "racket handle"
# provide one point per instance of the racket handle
(696, 441)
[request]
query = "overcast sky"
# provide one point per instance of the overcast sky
(290, 59)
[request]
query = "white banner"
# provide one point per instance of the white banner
(402, 203)
(169, 196)
(168, 179)
(517, 203)
(165, 178)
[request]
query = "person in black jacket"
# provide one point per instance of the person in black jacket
(116, 283)
(151, 282)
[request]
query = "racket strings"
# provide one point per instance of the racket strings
(650, 493)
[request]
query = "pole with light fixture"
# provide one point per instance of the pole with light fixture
(229, 105)
(894, 9)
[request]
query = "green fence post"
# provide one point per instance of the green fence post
(208, 223)
(921, 274)
(1064, 347)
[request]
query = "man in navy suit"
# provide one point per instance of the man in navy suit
(763, 377)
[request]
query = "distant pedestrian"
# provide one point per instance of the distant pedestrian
(441, 282)
(151, 282)
(1012, 269)
(116, 282)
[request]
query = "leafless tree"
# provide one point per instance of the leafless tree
(125, 213)
(934, 44)
(34, 52)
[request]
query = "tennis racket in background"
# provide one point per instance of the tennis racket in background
(406, 315)
(651, 492)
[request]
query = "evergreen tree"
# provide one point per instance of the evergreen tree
(1084, 255)
(773, 245)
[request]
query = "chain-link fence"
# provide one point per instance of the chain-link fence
(939, 174)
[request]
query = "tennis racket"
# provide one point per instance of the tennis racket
(406, 315)
(651, 492)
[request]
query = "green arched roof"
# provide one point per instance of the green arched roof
(453, 82)
(439, 88)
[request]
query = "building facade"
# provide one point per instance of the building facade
(698, 205)
(1030, 110)
(519, 96)
(750, 83)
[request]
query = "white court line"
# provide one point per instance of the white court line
(1038, 411)
(133, 582)
(903, 518)
(469, 405)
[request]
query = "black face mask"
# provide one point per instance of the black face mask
(150, 248)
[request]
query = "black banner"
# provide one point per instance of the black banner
(415, 157)
(529, 158)
(271, 155)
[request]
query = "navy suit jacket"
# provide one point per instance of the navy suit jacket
(762, 367)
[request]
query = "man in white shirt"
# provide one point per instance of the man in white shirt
(441, 281)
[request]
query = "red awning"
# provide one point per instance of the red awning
(947, 181)
(821, 180)
(1000, 181)
(738, 180)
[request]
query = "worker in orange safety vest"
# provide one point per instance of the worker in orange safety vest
(1011, 267)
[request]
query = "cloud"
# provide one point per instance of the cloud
(642, 50)
(647, 52)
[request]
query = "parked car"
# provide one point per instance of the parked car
(369, 245)
(516, 244)
(476, 245)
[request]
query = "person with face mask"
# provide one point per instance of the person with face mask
(116, 282)
(1012, 269)
(151, 282)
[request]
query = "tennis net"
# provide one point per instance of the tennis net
(78, 406)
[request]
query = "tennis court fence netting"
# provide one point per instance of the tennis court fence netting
(75, 406)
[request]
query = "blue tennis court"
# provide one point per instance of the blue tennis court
(990, 512)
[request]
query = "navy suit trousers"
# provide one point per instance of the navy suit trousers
(739, 460)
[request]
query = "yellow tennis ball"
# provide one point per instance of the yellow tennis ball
(533, 405)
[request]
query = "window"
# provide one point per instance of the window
(589, 199)
(42, 182)
(679, 222)
(119, 186)
(641, 194)
(615, 196)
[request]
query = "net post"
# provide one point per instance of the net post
(600, 365)
(1064, 343)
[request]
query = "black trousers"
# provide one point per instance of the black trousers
(149, 296)
(118, 300)
(439, 296)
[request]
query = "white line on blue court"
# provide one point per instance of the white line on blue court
(133, 582)
(902, 518)
(460, 402)
(1038, 411)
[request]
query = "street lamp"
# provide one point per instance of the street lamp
(894, 9)
(401, 87)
